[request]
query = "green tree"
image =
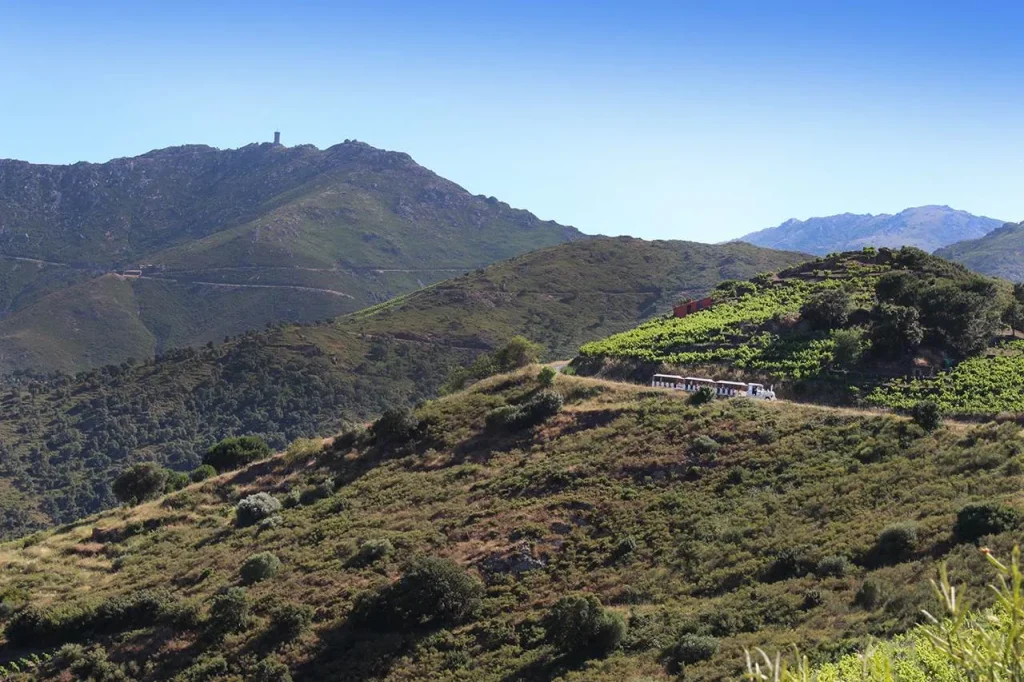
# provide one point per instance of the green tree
(975, 521)
(235, 453)
(827, 309)
(140, 482)
(927, 414)
(897, 329)
(848, 346)
(580, 625)
(431, 591)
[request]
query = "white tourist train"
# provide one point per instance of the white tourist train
(722, 389)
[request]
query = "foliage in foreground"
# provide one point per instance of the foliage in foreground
(962, 646)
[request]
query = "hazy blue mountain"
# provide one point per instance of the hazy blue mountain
(926, 227)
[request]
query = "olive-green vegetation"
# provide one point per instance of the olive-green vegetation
(64, 438)
(955, 645)
(228, 240)
(834, 328)
(625, 535)
(999, 253)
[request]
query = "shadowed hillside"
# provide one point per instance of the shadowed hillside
(63, 438)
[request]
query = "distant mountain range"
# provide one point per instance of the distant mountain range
(225, 241)
(927, 227)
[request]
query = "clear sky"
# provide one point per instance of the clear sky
(658, 119)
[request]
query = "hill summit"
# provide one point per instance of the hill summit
(182, 246)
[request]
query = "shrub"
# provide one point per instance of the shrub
(270, 670)
(896, 541)
(395, 426)
(927, 414)
(690, 649)
(835, 566)
(234, 453)
(543, 405)
(580, 625)
(289, 621)
(255, 508)
(704, 445)
(176, 480)
(848, 346)
(316, 493)
(431, 591)
(201, 473)
(259, 567)
(303, 449)
(371, 551)
(546, 377)
(975, 521)
(229, 612)
(702, 395)
(140, 482)
(869, 595)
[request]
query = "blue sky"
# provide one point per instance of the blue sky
(681, 120)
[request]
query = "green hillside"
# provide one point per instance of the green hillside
(999, 253)
(440, 548)
(837, 328)
(229, 240)
(63, 438)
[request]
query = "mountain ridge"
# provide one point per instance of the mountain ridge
(285, 234)
(1000, 253)
(926, 227)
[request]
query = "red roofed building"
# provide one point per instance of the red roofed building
(684, 309)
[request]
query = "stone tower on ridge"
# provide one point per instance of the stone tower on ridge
(277, 137)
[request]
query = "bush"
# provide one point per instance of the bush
(546, 377)
(255, 508)
(896, 542)
(303, 449)
(176, 480)
(690, 649)
(259, 567)
(927, 414)
(704, 445)
(289, 621)
(229, 612)
(371, 551)
(201, 473)
(870, 594)
(270, 670)
(975, 521)
(701, 396)
(140, 482)
(431, 591)
(848, 346)
(835, 566)
(235, 453)
(580, 625)
(543, 405)
(395, 426)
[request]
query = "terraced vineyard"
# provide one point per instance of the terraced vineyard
(984, 384)
(840, 328)
(750, 331)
